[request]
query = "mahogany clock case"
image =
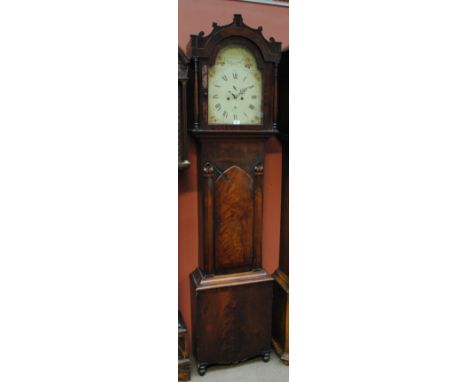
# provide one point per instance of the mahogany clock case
(231, 295)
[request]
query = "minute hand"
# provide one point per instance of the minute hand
(242, 91)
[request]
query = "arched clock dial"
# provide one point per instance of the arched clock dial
(234, 88)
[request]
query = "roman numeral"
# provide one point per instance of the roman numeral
(215, 96)
(225, 114)
(218, 106)
(251, 107)
(253, 97)
(224, 78)
(235, 116)
(234, 75)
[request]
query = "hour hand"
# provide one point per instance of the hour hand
(233, 95)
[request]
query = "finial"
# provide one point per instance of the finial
(238, 19)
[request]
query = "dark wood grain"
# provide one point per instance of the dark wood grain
(221, 154)
(234, 218)
(208, 223)
(258, 202)
(232, 320)
(231, 295)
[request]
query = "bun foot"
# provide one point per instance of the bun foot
(201, 369)
(266, 356)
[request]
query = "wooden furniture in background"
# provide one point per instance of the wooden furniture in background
(235, 98)
(184, 358)
(281, 275)
(182, 113)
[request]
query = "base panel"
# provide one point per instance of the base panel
(231, 318)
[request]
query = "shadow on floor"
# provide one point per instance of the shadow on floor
(254, 370)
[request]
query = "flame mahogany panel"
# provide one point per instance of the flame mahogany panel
(233, 326)
(234, 217)
(229, 236)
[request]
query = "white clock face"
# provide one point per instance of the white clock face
(234, 88)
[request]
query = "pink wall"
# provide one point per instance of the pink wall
(195, 16)
(198, 15)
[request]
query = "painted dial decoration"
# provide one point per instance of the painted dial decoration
(234, 88)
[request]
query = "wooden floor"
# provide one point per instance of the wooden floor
(250, 371)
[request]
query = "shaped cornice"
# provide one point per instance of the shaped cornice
(203, 46)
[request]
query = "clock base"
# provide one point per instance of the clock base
(281, 315)
(231, 317)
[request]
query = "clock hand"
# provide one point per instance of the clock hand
(240, 93)
(245, 89)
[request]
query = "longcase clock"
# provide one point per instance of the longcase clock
(235, 111)
(281, 275)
